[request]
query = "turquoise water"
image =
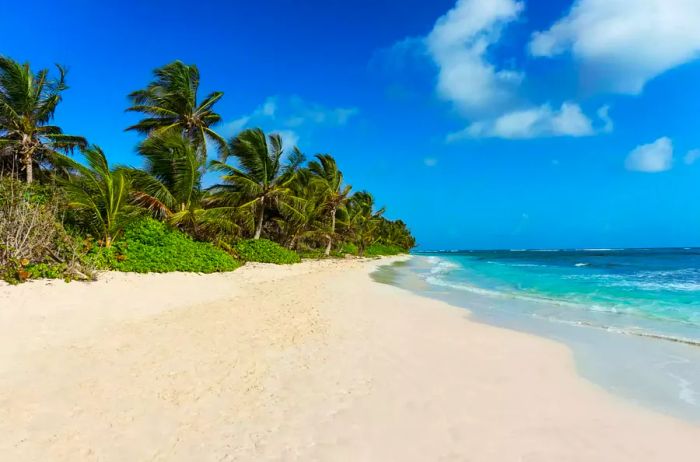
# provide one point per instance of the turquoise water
(632, 317)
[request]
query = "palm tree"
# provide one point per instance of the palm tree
(171, 185)
(363, 220)
(27, 105)
(395, 233)
(101, 196)
(170, 104)
(262, 181)
(299, 219)
(329, 180)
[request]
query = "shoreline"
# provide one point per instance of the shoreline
(314, 361)
(647, 370)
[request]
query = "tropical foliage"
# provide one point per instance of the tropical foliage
(100, 196)
(149, 246)
(334, 194)
(264, 251)
(170, 104)
(268, 204)
(33, 239)
(27, 105)
(261, 182)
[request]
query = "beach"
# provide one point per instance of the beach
(308, 362)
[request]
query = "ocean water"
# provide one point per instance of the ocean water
(631, 316)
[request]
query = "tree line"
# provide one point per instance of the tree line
(264, 189)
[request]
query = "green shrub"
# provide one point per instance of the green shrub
(33, 240)
(264, 251)
(311, 253)
(349, 248)
(377, 249)
(149, 246)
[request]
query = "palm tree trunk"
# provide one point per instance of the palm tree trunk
(28, 166)
(330, 236)
(259, 225)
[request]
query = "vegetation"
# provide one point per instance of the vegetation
(261, 182)
(383, 249)
(269, 204)
(101, 197)
(264, 251)
(334, 195)
(33, 240)
(171, 106)
(27, 105)
(149, 246)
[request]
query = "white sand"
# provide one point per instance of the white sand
(311, 362)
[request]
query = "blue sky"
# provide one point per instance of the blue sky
(481, 123)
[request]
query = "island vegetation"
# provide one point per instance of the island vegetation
(63, 218)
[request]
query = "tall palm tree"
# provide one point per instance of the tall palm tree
(363, 220)
(329, 180)
(171, 185)
(170, 104)
(27, 105)
(262, 181)
(101, 196)
(300, 220)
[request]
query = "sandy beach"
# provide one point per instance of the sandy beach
(310, 362)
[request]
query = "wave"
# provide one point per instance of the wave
(441, 266)
(654, 313)
(632, 331)
(474, 289)
(682, 280)
(517, 265)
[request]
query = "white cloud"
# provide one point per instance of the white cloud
(625, 43)
(458, 44)
(651, 158)
(283, 114)
(269, 107)
(568, 120)
(430, 161)
(604, 115)
(692, 156)
(461, 44)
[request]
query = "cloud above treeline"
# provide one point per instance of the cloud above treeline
(625, 44)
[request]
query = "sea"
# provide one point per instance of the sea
(630, 316)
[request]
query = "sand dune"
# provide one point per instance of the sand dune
(311, 362)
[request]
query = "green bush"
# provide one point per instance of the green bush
(377, 249)
(315, 254)
(33, 241)
(350, 248)
(149, 246)
(264, 251)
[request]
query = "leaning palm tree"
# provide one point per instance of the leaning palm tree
(362, 220)
(301, 220)
(100, 196)
(170, 104)
(329, 181)
(262, 181)
(27, 105)
(171, 185)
